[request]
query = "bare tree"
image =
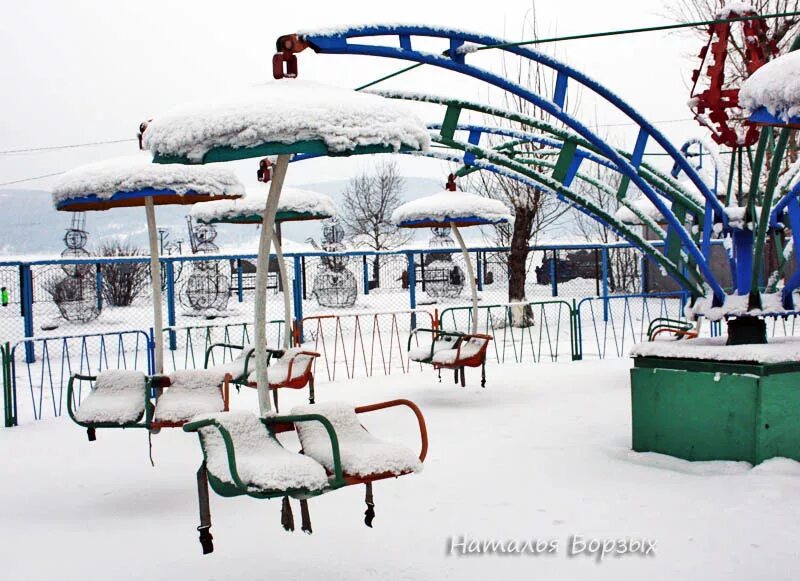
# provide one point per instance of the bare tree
(533, 210)
(369, 200)
(123, 282)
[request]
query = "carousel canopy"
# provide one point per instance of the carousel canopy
(286, 116)
(444, 208)
(294, 205)
(127, 181)
(772, 93)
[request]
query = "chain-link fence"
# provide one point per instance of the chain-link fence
(101, 295)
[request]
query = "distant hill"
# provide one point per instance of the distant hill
(30, 226)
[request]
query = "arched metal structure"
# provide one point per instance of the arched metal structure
(371, 41)
(500, 159)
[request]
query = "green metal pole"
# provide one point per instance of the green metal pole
(763, 220)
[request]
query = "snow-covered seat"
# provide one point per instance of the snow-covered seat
(452, 350)
(425, 353)
(239, 367)
(119, 399)
(470, 351)
(189, 393)
(467, 348)
(363, 456)
(243, 457)
(291, 368)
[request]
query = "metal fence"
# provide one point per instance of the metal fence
(114, 293)
(584, 307)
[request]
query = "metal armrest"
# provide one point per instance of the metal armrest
(423, 430)
(225, 345)
(435, 334)
(226, 437)
(70, 390)
(338, 475)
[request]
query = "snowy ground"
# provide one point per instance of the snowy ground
(541, 453)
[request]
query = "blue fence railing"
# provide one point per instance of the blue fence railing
(381, 281)
(553, 330)
(62, 356)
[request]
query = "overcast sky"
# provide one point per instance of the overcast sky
(78, 71)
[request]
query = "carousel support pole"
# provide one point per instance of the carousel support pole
(267, 226)
(171, 320)
(298, 299)
(155, 282)
(287, 301)
(470, 275)
(239, 281)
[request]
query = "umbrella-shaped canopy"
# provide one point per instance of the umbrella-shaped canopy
(134, 181)
(295, 205)
(450, 207)
(281, 118)
(772, 93)
(130, 181)
(454, 208)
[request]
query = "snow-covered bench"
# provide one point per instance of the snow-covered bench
(289, 368)
(189, 393)
(452, 350)
(119, 399)
(363, 457)
(242, 456)
(240, 367)
(130, 399)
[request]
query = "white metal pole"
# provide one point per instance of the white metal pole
(155, 279)
(470, 275)
(287, 302)
(267, 225)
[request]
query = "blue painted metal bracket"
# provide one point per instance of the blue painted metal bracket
(743, 253)
(338, 42)
(793, 206)
(775, 216)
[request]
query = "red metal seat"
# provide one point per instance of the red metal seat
(470, 351)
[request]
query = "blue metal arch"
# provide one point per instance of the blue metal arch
(336, 42)
(559, 135)
(524, 137)
(598, 214)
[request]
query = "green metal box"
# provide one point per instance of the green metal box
(711, 410)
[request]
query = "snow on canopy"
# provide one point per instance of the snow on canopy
(287, 111)
(448, 206)
(775, 86)
(309, 205)
(132, 174)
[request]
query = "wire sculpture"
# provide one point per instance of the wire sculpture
(441, 277)
(334, 285)
(207, 289)
(75, 294)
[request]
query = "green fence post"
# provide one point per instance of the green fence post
(605, 283)
(9, 395)
(577, 346)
